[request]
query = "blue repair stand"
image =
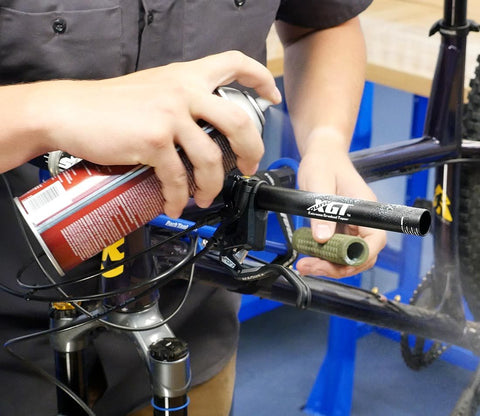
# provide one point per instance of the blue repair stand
(331, 394)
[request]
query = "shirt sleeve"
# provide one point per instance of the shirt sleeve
(320, 14)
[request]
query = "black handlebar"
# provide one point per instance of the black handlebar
(390, 217)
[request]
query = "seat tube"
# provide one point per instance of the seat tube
(444, 123)
(444, 112)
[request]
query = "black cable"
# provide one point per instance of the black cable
(105, 295)
(304, 294)
(80, 279)
(82, 320)
(87, 319)
(164, 321)
(153, 283)
(211, 218)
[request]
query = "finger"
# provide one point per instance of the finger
(318, 267)
(234, 123)
(375, 239)
(322, 231)
(226, 67)
(173, 176)
(206, 159)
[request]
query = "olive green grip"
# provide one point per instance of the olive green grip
(340, 249)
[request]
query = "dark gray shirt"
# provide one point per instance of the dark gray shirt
(94, 39)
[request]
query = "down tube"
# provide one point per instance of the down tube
(336, 298)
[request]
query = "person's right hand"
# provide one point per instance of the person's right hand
(142, 117)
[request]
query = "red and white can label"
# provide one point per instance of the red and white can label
(78, 213)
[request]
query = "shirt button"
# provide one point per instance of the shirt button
(59, 25)
(239, 3)
(150, 18)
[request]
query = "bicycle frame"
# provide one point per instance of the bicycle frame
(441, 145)
(442, 142)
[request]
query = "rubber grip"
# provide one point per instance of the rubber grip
(340, 249)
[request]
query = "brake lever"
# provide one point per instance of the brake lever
(233, 261)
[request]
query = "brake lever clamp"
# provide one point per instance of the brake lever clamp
(245, 224)
(233, 260)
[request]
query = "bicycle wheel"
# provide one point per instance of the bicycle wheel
(469, 226)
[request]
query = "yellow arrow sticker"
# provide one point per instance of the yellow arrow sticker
(441, 203)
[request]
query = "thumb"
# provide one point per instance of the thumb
(310, 180)
(322, 231)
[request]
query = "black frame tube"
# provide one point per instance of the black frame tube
(333, 297)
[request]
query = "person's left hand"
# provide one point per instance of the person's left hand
(328, 170)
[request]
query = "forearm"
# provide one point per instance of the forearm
(22, 135)
(142, 118)
(324, 79)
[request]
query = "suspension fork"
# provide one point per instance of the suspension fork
(166, 357)
(75, 358)
(76, 364)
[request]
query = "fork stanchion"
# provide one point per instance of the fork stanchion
(170, 377)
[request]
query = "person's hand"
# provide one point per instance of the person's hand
(141, 118)
(328, 170)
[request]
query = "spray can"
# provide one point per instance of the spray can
(77, 213)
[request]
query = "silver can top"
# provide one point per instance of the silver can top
(255, 107)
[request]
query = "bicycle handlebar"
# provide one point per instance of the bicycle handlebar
(390, 217)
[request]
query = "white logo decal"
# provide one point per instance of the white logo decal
(176, 224)
(329, 209)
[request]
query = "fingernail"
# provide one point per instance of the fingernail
(278, 95)
(249, 172)
(322, 232)
(203, 203)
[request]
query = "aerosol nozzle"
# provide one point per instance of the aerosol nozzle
(263, 104)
